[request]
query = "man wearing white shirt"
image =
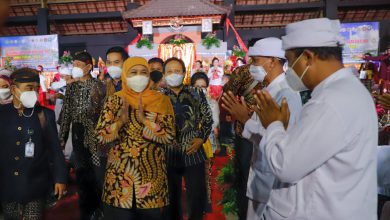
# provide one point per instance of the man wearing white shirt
(267, 68)
(329, 154)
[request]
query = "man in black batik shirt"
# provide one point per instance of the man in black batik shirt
(187, 157)
(83, 101)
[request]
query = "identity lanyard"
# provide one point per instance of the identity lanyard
(30, 146)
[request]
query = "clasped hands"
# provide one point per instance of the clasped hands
(266, 108)
(124, 115)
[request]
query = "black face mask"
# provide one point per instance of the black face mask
(156, 76)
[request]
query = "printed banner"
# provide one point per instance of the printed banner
(360, 38)
(30, 51)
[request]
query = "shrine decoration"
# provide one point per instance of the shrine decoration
(8, 68)
(66, 58)
(144, 42)
(238, 52)
(210, 41)
(178, 40)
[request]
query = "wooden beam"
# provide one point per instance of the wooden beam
(38, 2)
(363, 3)
(330, 10)
(43, 27)
(279, 7)
(261, 25)
(86, 16)
(21, 20)
(249, 34)
(94, 32)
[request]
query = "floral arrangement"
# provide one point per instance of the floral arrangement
(8, 68)
(238, 52)
(177, 42)
(228, 182)
(211, 40)
(144, 42)
(66, 58)
(8, 65)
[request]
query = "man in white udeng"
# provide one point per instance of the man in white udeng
(267, 68)
(329, 154)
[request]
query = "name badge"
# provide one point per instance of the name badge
(363, 74)
(29, 150)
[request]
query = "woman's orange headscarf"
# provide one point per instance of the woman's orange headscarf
(152, 101)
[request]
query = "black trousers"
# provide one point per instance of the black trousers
(29, 211)
(382, 199)
(196, 192)
(112, 213)
(244, 149)
(88, 187)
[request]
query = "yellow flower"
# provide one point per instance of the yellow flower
(110, 179)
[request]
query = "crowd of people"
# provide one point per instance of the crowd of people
(138, 131)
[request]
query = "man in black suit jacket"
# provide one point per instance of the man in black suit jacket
(29, 151)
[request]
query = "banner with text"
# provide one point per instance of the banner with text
(30, 51)
(360, 38)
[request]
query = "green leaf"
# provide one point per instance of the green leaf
(144, 42)
(210, 41)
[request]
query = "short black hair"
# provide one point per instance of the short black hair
(174, 59)
(324, 53)
(156, 60)
(120, 50)
(84, 57)
(199, 75)
(24, 75)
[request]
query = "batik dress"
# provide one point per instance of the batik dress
(137, 162)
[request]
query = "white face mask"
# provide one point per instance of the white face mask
(58, 85)
(293, 80)
(258, 72)
(137, 83)
(77, 72)
(5, 94)
(175, 79)
(29, 99)
(114, 71)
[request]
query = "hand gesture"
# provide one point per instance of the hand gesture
(124, 115)
(59, 190)
(238, 110)
(269, 111)
(195, 145)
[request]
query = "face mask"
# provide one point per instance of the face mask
(156, 76)
(58, 85)
(258, 72)
(77, 72)
(28, 99)
(115, 72)
(293, 80)
(137, 83)
(5, 94)
(204, 90)
(175, 79)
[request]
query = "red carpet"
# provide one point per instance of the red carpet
(67, 209)
(216, 194)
